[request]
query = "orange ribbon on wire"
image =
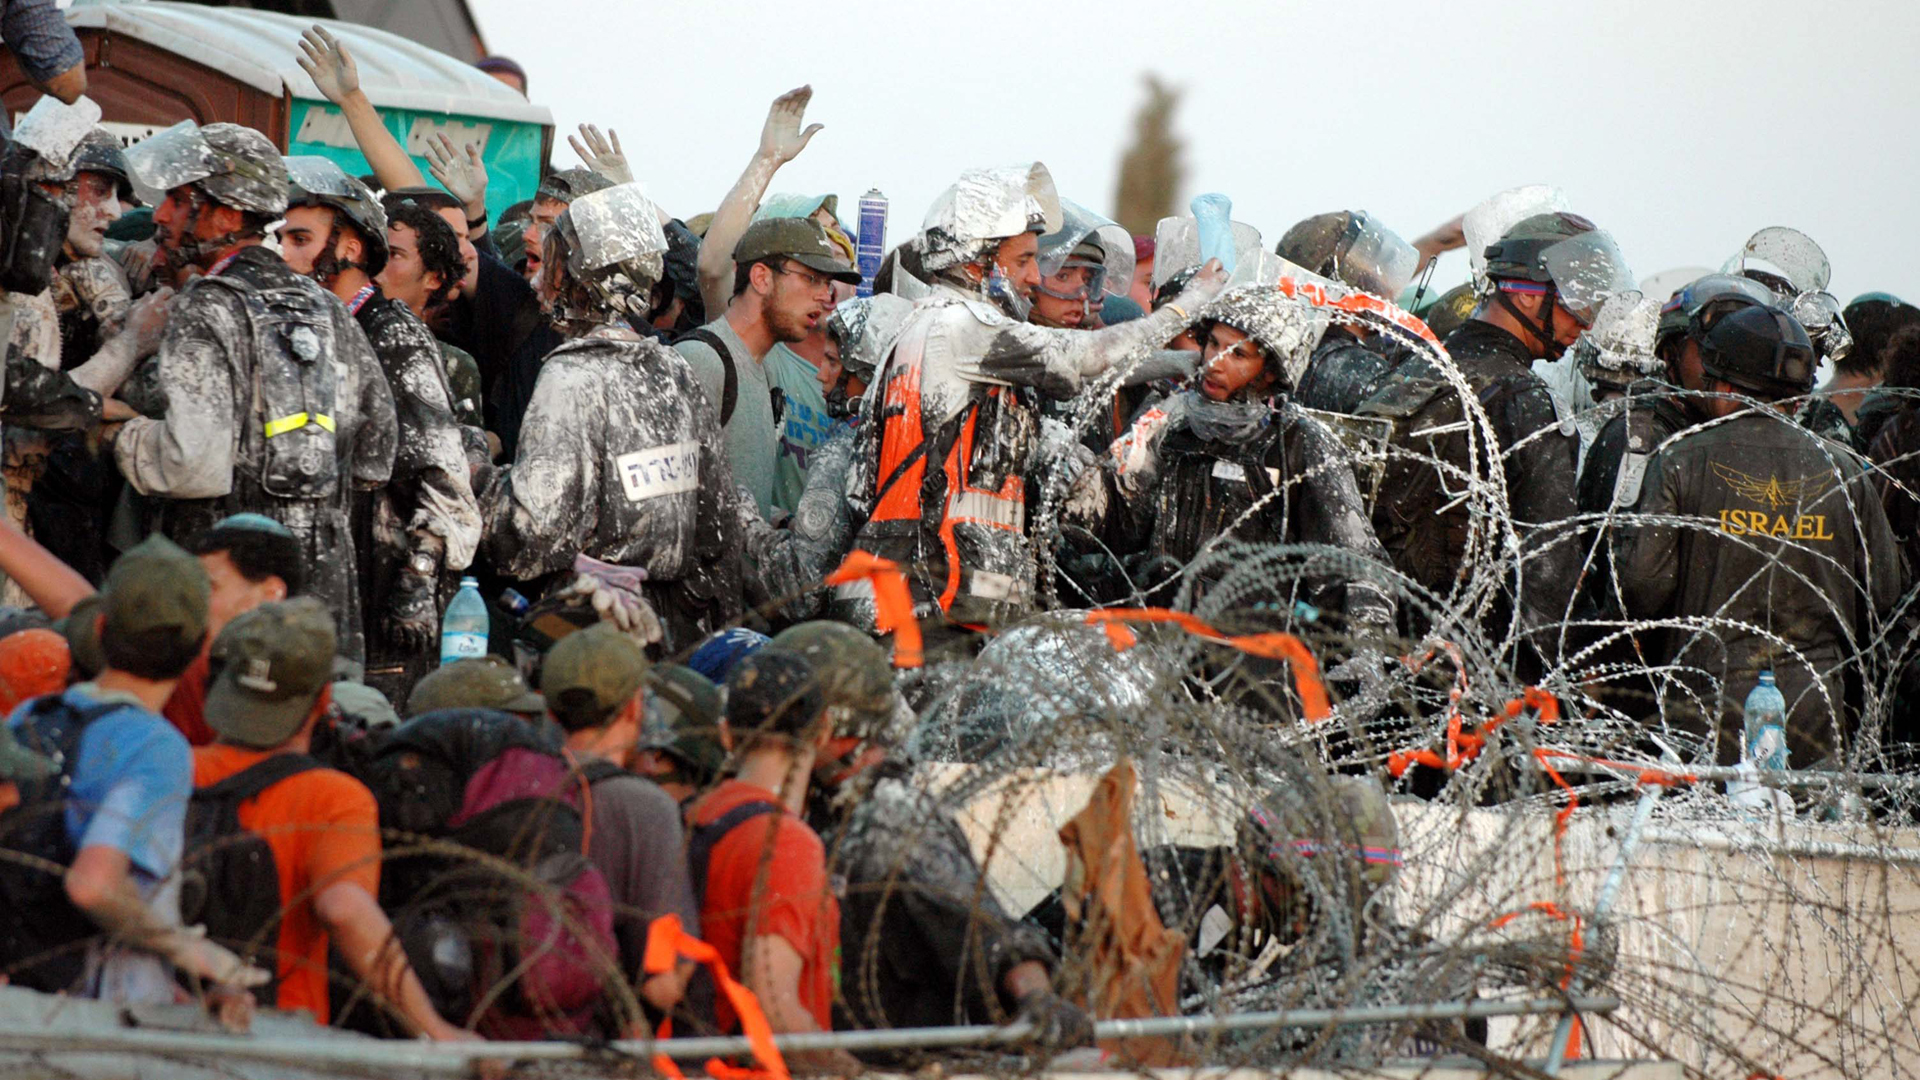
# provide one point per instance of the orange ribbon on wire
(892, 602)
(1268, 646)
(667, 943)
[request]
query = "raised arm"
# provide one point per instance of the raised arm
(327, 62)
(781, 140)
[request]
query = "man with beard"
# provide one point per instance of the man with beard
(784, 270)
(275, 402)
(620, 458)
(425, 524)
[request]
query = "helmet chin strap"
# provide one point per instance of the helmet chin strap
(192, 249)
(1542, 334)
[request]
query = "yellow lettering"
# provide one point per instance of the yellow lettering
(1820, 528)
(1724, 527)
(1756, 523)
(1780, 527)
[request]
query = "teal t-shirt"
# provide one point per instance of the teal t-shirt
(804, 423)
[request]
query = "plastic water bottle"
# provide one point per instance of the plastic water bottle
(872, 246)
(1763, 748)
(463, 632)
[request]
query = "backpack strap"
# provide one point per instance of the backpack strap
(63, 742)
(258, 777)
(704, 838)
(730, 392)
(601, 769)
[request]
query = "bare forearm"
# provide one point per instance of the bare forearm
(385, 156)
(365, 939)
(49, 583)
(729, 222)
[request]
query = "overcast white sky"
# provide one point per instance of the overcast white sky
(1682, 127)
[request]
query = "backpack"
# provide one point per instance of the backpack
(730, 386)
(225, 860)
(702, 839)
(1422, 515)
(537, 953)
(44, 938)
(295, 386)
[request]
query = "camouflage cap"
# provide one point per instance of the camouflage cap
(156, 586)
(426, 195)
(271, 665)
(566, 185)
(803, 240)
(590, 675)
(855, 677)
(482, 682)
(683, 718)
(365, 704)
(251, 174)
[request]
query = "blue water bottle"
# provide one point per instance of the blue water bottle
(463, 632)
(873, 238)
(1763, 747)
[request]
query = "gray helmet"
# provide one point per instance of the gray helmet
(1617, 349)
(1723, 291)
(1286, 329)
(1351, 247)
(100, 153)
(236, 166)
(866, 328)
(611, 242)
(317, 181)
(566, 185)
(1820, 313)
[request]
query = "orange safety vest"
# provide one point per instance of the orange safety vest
(901, 481)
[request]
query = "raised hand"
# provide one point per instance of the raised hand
(601, 153)
(782, 138)
(327, 62)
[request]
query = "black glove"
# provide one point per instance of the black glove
(1058, 1024)
(412, 612)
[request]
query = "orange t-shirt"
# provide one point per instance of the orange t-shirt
(796, 903)
(186, 708)
(323, 827)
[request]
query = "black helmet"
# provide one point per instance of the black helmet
(318, 181)
(1758, 348)
(100, 153)
(1566, 251)
(1717, 293)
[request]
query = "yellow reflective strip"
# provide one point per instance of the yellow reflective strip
(296, 422)
(285, 424)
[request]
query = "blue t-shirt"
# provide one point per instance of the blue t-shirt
(131, 783)
(804, 423)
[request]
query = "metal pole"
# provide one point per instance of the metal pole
(454, 1057)
(1609, 890)
(1785, 778)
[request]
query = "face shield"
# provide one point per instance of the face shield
(1089, 241)
(54, 130)
(986, 206)
(1176, 247)
(167, 160)
(1820, 314)
(1373, 258)
(615, 226)
(1785, 254)
(1618, 348)
(1489, 221)
(319, 177)
(1586, 270)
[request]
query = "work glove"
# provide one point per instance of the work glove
(1058, 1024)
(614, 592)
(413, 612)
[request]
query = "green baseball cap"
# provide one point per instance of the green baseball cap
(273, 662)
(803, 240)
(589, 675)
(683, 719)
(365, 704)
(156, 586)
(19, 763)
(480, 682)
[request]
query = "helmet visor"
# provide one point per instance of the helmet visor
(1586, 270)
(1082, 229)
(166, 160)
(1820, 314)
(1788, 253)
(1374, 258)
(315, 175)
(615, 225)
